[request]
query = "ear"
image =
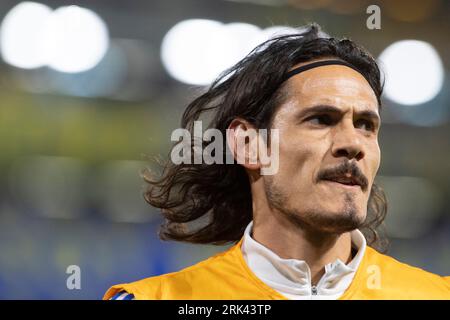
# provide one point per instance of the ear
(242, 140)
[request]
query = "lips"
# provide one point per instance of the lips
(347, 175)
(346, 180)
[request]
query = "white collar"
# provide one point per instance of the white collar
(292, 277)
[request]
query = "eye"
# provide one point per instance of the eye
(320, 120)
(365, 125)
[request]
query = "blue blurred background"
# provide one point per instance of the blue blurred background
(91, 90)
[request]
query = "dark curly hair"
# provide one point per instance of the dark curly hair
(212, 203)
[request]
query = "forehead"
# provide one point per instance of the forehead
(337, 85)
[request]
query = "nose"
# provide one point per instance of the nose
(347, 143)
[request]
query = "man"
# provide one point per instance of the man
(307, 231)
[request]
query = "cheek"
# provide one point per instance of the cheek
(376, 158)
(300, 155)
(373, 160)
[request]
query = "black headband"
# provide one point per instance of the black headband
(319, 64)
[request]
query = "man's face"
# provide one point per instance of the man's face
(329, 153)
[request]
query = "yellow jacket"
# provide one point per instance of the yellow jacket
(226, 276)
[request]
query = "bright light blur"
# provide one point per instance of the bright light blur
(75, 39)
(183, 51)
(21, 35)
(276, 31)
(238, 39)
(70, 39)
(414, 72)
(196, 51)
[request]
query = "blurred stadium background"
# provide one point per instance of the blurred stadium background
(91, 89)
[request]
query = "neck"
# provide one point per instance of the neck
(289, 241)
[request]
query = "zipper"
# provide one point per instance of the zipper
(314, 290)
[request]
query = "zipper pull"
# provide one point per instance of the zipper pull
(314, 290)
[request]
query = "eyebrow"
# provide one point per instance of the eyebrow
(323, 108)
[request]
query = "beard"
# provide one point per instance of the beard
(317, 221)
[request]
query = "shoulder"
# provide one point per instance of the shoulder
(183, 283)
(401, 277)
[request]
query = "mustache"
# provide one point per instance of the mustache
(343, 169)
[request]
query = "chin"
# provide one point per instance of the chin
(334, 221)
